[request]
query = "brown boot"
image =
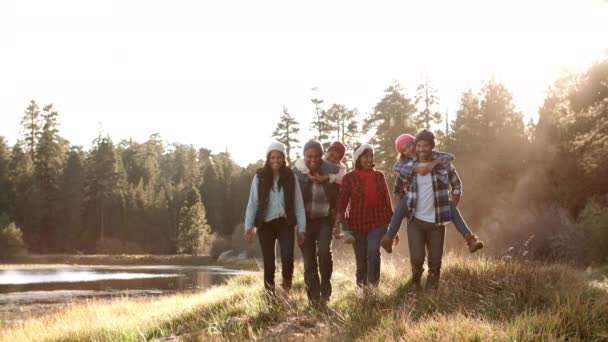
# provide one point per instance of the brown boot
(387, 243)
(473, 243)
(417, 279)
(432, 281)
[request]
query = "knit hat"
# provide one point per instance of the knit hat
(312, 143)
(359, 151)
(403, 140)
(276, 146)
(337, 147)
(426, 135)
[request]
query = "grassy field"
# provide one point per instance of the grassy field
(479, 299)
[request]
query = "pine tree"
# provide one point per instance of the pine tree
(426, 101)
(319, 123)
(343, 121)
(72, 196)
(21, 171)
(48, 168)
(102, 178)
(287, 132)
(31, 123)
(5, 183)
(392, 116)
(193, 230)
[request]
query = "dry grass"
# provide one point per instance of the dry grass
(479, 299)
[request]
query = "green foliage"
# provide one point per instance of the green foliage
(343, 122)
(320, 125)
(11, 241)
(286, 132)
(31, 125)
(426, 101)
(572, 136)
(490, 144)
(5, 182)
(49, 163)
(193, 230)
(392, 116)
(593, 222)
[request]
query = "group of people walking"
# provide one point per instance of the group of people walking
(319, 200)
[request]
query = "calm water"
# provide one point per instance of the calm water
(52, 285)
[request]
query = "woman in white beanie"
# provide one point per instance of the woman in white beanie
(275, 206)
(365, 193)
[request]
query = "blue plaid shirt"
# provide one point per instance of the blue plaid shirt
(403, 168)
(444, 176)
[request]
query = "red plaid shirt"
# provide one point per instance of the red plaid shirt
(360, 218)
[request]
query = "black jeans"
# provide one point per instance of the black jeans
(318, 259)
(268, 234)
(423, 235)
(367, 255)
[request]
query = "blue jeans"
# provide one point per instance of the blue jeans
(402, 211)
(367, 255)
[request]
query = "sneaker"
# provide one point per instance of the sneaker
(387, 243)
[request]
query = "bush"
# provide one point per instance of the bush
(11, 241)
(593, 222)
(541, 234)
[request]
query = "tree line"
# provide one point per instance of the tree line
(155, 197)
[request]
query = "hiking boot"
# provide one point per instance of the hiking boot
(286, 285)
(387, 243)
(416, 280)
(473, 244)
(432, 281)
(348, 237)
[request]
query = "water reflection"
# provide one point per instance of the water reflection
(61, 284)
(21, 277)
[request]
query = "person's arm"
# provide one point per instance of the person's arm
(439, 158)
(337, 178)
(299, 208)
(343, 199)
(456, 184)
(399, 187)
(404, 168)
(443, 157)
(252, 204)
(300, 165)
(251, 211)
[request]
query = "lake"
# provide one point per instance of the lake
(32, 292)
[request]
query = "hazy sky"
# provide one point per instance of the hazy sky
(216, 74)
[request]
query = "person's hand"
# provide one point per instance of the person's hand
(338, 231)
(301, 238)
(249, 235)
(422, 170)
(311, 177)
(322, 178)
(455, 200)
(399, 196)
(396, 240)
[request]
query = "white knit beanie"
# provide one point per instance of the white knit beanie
(276, 146)
(359, 151)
